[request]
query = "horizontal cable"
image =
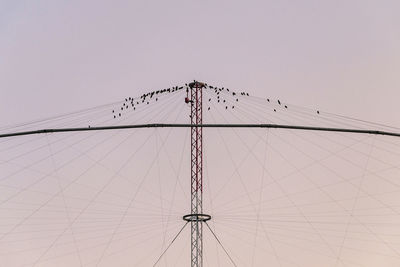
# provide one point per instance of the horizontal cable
(188, 125)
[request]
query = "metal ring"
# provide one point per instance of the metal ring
(197, 217)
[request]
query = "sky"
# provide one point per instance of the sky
(341, 57)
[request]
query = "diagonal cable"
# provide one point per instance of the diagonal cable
(170, 244)
(219, 242)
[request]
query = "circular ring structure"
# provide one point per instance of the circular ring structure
(197, 217)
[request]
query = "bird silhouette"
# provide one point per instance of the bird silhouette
(279, 102)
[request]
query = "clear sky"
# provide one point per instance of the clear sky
(335, 56)
(341, 56)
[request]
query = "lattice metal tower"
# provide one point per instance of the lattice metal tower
(196, 218)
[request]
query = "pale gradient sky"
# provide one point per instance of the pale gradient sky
(336, 56)
(341, 56)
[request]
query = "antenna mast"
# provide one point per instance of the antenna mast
(196, 218)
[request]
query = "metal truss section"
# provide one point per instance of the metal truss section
(196, 117)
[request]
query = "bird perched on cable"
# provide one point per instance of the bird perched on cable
(279, 102)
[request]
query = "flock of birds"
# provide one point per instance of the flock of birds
(132, 103)
(145, 98)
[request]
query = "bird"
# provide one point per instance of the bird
(208, 108)
(119, 114)
(233, 106)
(237, 100)
(226, 107)
(113, 111)
(279, 102)
(274, 110)
(268, 99)
(122, 108)
(317, 111)
(114, 116)
(285, 106)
